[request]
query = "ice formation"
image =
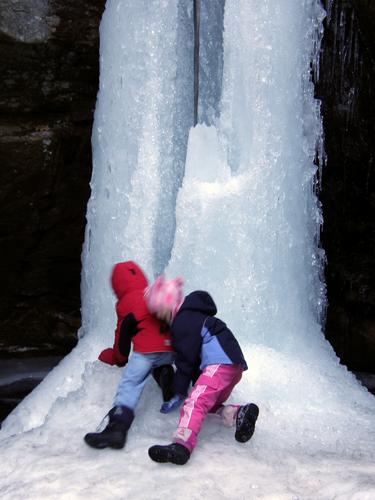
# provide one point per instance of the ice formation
(231, 206)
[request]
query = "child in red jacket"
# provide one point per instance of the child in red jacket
(152, 352)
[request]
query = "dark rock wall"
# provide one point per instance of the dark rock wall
(49, 79)
(346, 87)
(49, 68)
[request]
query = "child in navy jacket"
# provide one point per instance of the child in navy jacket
(208, 354)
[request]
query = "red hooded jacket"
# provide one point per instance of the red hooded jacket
(134, 322)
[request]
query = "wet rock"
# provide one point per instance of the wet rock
(20, 373)
(346, 87)
(49, 62)
(27, 21)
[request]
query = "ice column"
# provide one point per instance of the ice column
(247, 216)
(139, 140)
(210, 60)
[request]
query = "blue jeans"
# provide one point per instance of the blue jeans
(135, 373)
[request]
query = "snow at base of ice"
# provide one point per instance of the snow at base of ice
(299, 451)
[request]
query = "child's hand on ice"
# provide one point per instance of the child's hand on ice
(172, 403)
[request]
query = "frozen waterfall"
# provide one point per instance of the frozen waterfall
(230, 205)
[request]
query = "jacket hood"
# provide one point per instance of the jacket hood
(127, 277)
(200, 301)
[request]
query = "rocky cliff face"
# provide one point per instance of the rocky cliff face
(49, 80)
(49, 68)
(347, 90)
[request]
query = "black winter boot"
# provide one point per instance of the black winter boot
(163, 376)
(175, 453)
(114, 435)
(245, 422)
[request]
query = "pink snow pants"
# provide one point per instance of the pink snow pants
(212, 388)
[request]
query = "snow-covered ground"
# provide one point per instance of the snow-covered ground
(314, 440)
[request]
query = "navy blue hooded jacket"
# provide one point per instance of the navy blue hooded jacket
(200, 339)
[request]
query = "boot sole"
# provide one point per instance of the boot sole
(100, 445)
(246, 429)
(161, 455)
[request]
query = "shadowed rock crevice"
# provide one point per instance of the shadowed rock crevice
(47, 97)
(347, 91)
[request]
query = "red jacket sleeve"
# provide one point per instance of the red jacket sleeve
(112, 355)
